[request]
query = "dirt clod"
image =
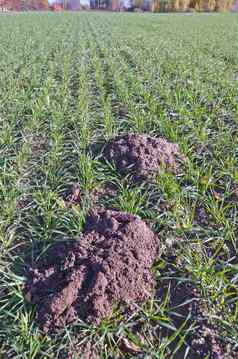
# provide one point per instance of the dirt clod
(110, 265)
(73, 195)
(143, 155)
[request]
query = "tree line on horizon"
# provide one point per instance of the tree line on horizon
(24, 5)
(115, 5)
(192, 5)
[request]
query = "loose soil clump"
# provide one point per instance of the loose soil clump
(143, 155)
(74, 195)
(110, 265)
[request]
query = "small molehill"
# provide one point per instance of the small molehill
(187, 305)
(143, 155)
(110, 265)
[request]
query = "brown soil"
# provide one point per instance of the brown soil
(103, 192)
(110, 265)
(75, 195)
(185, 301)
(143, 155)
(201, 216)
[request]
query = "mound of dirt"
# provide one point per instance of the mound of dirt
(187, 305)
(110, 265)
(143, 155)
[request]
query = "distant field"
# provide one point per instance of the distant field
(70, 81)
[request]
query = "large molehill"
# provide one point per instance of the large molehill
(110, 265)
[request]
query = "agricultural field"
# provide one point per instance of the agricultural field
(70, 83)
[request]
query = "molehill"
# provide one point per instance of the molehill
(110, 265)
(143, 155)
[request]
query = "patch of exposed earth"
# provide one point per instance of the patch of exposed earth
(74, 194)
(202, 217)
(186, 303)
(143, 155)
(110, 265)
